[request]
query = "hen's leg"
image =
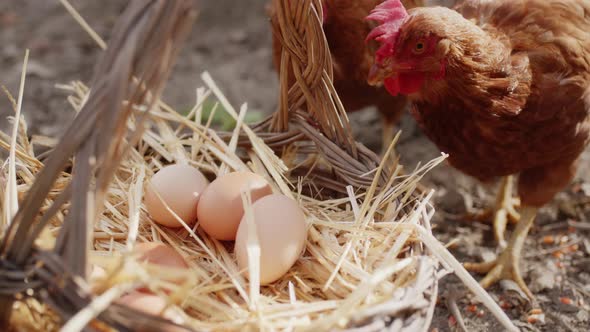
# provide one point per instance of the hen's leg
(536, 187)
(506, 266)
(390, 111)
(504, 210)
(388, 133)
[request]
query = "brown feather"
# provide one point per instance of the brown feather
(515, 97)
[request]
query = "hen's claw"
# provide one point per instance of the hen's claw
(504, 211)
(506, 266)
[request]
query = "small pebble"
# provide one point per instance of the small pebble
(583, 316)
(565, 300)
(543, 277)
(548, 239)
(452, 320)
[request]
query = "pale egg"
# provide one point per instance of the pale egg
(151, 305)
(158, 253)
(97, 278)
(221, 209)
(180, 187)
(281, 230)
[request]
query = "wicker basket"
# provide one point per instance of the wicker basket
(44, 287)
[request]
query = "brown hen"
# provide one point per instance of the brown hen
(345, 28)
(503, 88)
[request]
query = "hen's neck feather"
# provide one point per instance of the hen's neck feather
(482, 72)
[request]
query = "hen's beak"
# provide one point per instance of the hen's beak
(380, 72)
(377, 74)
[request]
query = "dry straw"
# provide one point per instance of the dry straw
(66, 255)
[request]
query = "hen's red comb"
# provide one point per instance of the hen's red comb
(390, 14)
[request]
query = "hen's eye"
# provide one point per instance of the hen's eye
(419, 48)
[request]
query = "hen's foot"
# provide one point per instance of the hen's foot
(504, 211)
(506, 266)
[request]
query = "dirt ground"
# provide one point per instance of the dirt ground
(231, 40)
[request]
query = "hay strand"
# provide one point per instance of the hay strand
(11, 194)
(444, 255)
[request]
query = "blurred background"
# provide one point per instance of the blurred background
(232, 40)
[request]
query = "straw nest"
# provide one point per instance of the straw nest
(72, 216)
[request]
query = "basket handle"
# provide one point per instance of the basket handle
(127, 82)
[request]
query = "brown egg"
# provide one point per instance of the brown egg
(180, 186)
(159, 253)
(282, 231)
(220, 208)
(151, 305)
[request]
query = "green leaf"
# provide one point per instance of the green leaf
(222, 119)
